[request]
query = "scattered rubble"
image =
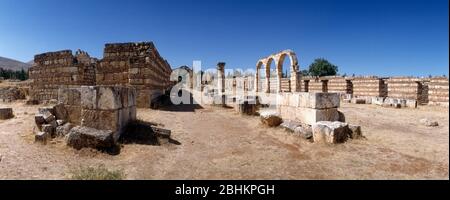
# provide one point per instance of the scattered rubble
(429, 123)
(271, 119)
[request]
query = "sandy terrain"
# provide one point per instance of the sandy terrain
(216, 143)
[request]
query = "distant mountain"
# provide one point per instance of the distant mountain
(7, 63)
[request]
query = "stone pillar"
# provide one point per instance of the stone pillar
(295, 80)
(257, 80)
(267, 79)
(221, 77)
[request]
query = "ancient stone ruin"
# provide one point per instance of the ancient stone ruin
(136, 65)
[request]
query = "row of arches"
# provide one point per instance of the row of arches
(278, 59)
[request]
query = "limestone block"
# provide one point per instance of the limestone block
(317, 100)
(330, 132)
(100, 119)
(63, 130)
(411, 103)
(310, 116)
(49, 129)
(83, 137)
(39, 120)
(74, 114)
(60, 112)
(41, 137)
(88, 97)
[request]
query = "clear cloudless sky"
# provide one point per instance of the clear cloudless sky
(370, 37)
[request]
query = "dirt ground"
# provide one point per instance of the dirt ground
(217, 143)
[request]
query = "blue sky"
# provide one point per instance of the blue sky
(361, 37)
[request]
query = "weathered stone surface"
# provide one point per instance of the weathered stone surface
(310, 116)
(317, 100)
(304, 131)
(60, 112)
(341, 116)
(48, 117)
(271, 119)
(6, 113)
(428, 122)
(64, 129)
(41, 137)
(330, 132)
(355, 131)
(48, 128)
(347, 100)
(39, 120)
(60, 122)
(411, 103)
(83, 137)
(46, 110)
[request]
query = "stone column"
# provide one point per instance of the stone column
(221, 77)
(295, 81)
(257, 80)
(267, 79)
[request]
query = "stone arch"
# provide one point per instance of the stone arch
(268, 62)
(259, 65)
(278, 59)
(294, 68)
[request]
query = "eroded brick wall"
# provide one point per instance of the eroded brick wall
(62, 68)
(438, 91)
(138, 65)
(369, 87)
(404, 88)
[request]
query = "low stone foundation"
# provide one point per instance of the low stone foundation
(309, 108)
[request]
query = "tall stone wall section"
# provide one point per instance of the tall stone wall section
(405, 88)
(60, 69)
(338, 84)
(138, 65)
(438, 91)
(369, 87)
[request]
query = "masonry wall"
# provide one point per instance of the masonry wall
(54, 69)
(405, 88)
(438, 91)
(138, 65)
(338, 84)
(369, 87)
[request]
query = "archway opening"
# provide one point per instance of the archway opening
(285, 66)
(273, 75)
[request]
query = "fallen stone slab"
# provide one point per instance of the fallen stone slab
(330, 132)
(60, 112)
(48, 117)
(63, 130)
(271, 119)
(44, 110)
(429, 123)
(41, 137)
(6, 113)
(83, 137)
(48, 128)
(39, 120)
(304, 131)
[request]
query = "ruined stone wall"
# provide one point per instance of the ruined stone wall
(54, 69)
(438, 91)
(100, 107)
(315, 84)
(9, 94)
(369, 86)
(138, 65)
(285, 84)
(404, 88)
(339, 84)
(308, 108)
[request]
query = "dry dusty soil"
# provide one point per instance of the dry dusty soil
(217, 143)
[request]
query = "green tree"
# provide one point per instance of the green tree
(321, 67)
